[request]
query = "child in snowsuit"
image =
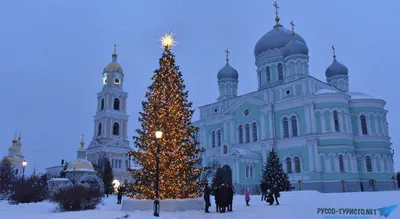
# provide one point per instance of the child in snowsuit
(247, 197)
(270, 197)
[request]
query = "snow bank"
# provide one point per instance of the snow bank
(165, 205)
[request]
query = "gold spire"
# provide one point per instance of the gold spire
(15, 138)
(19, 136)
(292, 23)
(277, 19)
(227, 55)
(334, 53)
(115, 49)
(82, 141)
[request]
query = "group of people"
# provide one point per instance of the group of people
(223, 197)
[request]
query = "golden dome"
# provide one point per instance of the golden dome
(14, 140)
(81, 165)
(20, 154)
(113, 66)
(12, 147)
(14, 160)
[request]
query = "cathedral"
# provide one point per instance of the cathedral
(328, 137)
(15, 155)
(110, 138)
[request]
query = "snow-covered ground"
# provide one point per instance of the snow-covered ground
(296, 205)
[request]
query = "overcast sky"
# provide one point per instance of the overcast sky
(53, 53)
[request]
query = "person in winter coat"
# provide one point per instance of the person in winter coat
(230, 197)
(119, 195)
(247, 197)
(207, 197)
(223, 198)
(217, 198)
(269, 197)
(276, 193)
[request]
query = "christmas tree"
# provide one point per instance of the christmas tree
(273, 174)
(108, 177)
(167, 109)
(217, 179)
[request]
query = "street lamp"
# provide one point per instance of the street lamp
(157, 202)
(24, 163)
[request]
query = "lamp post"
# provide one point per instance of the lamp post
(24, 163)
(157, 202)
(394, 184)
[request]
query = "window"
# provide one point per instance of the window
(341, 163)
(247, 133)
(112, 163)
(268, 74)
(247, 170)
(368, 163)
(251, 171)
(99, 129)
(16, 171)
(297, 166)
(363, 121)
(254, 126)
(126, 163)
(116, 104)
(280, 71)
(119, 163)
(102, 105)
(294, 126)
(116, 128)
(219, 136)
(213, 139)
(285, 128)
(225, 149)
(336, 121)
(288, 165)
(240, 134)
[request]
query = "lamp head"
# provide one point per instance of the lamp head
(159, 134)
(24, 163)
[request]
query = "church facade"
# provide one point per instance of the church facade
(328, 138)
(15, 155)
(110, 138)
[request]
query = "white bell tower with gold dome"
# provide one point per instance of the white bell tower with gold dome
(110, 138)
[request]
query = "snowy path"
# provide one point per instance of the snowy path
(294, 205)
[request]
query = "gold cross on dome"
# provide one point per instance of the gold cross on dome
(292, 23)
(276, 12)
(227, 55)
(334, 53)
(115, 48)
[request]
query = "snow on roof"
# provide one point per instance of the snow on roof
(324, 91)
(359, 95)
(58, 179)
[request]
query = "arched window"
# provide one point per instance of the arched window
(119, 163)
(219, 136)
(294, 126)
(254, 126)
(247, 133)
(285, 127)
(126, 163)
(288, 165)
(251, 171)
(297, 166)
(102, 105)
(116, 104)
(112, 163)
(116, 128)
(240, 134)
(363, 121)
(368, 163)
(16, 171)
(225, 149)
(280, 71)
(213, 139)
(247, 170)
(99, 131)
(268, 74)
(341, 163)
(336, 121)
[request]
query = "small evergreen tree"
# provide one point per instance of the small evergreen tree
(99, 166)
(273, 174)
(398, 178)
(108, 178)
(7, 175)
(217, 179)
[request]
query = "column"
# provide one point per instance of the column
(234, 170)
(313, 123)
(346, 163)
(341, 122)
(271, 129)
(225, 132)
(308, 118)
(328, 167)
(205, 139)
(311, 156)
(336, 163)
(332, 121)
(262, 127)
(377, 130)
(233, 132)
(323, 122)
(318, 167)
(237, 171)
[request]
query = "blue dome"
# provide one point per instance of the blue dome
(336, 68)
(227, 72)
(295, 47)
(278, 37)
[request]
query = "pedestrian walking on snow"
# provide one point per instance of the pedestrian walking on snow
(247, 197)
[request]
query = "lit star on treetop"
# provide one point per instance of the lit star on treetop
(168, 40)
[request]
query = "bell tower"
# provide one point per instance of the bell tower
(110, 138)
